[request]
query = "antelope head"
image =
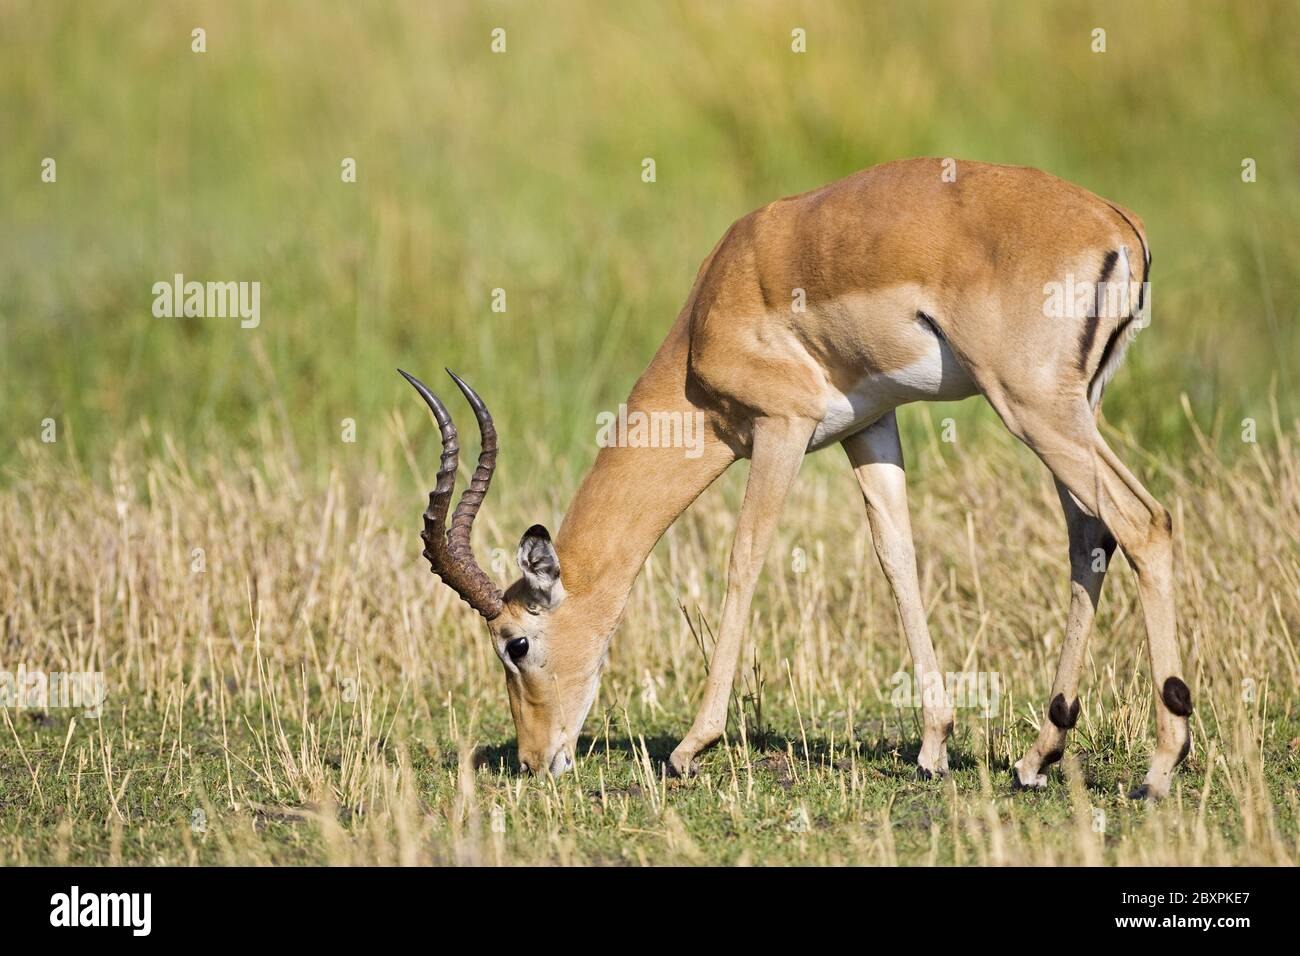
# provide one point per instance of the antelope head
(551, 683)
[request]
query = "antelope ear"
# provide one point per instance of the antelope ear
(541, 567)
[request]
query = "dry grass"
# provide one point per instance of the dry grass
(312, 695)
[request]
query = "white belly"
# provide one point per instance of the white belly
(935, 376)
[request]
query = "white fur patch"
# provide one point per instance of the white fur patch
(936, 376)
(1127, 302)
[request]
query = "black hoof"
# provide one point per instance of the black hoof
(1017, 785)
(1139, 793)
(686, 774)
(923, 774)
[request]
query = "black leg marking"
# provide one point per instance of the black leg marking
(1062, 716)
(1138, 794)
(1187, 747)
(691, 771)
(1177, 697)
(1108, 544)
(1050, 759)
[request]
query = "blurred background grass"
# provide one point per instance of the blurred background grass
(522, 171)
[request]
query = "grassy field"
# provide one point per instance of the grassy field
(300, 690)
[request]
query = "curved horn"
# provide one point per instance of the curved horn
(462, 518)
(448, 552)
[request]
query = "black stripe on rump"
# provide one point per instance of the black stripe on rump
(1090, 323)
(1111, 343)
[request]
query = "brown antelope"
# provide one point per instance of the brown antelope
(808, 324)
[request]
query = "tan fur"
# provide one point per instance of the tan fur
(869, 252)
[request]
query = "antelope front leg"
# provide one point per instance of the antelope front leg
(1091, 548)
(779, 446)
(877, 458)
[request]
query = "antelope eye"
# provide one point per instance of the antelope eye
(517, 648)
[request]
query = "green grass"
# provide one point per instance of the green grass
(177, 800)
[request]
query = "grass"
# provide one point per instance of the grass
(522, 171)
(311, 695)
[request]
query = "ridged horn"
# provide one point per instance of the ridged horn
(448, 551)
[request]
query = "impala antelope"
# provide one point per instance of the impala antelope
(912, 286)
